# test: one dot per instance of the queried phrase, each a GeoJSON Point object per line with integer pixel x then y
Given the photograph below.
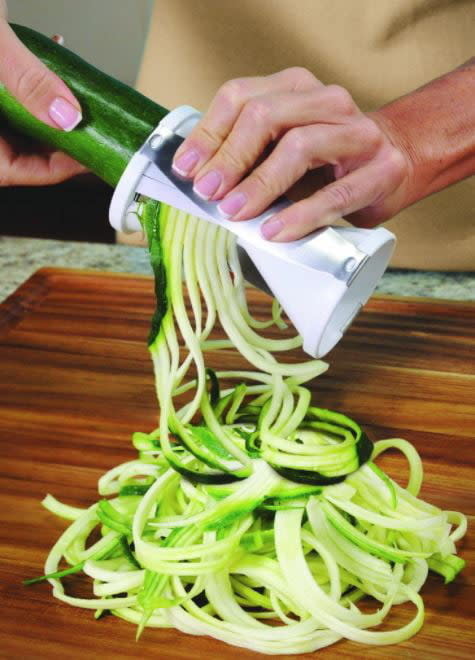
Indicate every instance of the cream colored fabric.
{"type": "Point", "coordinates": [378, 49]}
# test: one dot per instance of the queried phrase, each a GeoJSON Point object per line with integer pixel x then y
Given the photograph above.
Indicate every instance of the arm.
{"type": "Point", "coordinates": [363, 166]}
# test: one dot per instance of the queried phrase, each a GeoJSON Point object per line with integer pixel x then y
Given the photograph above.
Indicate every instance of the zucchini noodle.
{"type": "Point", "coordinates": [249, 514]}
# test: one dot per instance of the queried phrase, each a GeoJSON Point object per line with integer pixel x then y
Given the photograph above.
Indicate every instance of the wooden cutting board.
{"type": "Point", "coordinates": [76, 381]}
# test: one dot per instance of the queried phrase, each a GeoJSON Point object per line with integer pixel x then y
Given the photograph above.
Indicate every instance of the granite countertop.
{"type": "Point", "coordinates": [21, 257]}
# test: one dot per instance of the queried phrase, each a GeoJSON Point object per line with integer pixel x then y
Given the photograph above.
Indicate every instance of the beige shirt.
{"type": "Point", "coordinates": [377, 49]}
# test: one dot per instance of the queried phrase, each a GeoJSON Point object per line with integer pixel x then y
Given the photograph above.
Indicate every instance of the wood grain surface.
{"type": "Point", "coordinates": [76, 381]}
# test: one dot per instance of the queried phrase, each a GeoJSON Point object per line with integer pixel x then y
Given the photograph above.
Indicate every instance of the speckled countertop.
{"type": "Point", "coordinates": [21, 257]}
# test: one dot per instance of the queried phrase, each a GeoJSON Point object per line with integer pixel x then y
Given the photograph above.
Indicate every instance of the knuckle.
{"type": "Point", "coordinates": [342, 99]}
{"type": "Point", "coordinates": [31, 83]}
{"type": "Point", "coordinates": [340, 196]}
{"type": "Point", "coordinates": [295, 142]}
{"type": "Point", "coordinates": [367, 133]}
{"type": "Point", "coordinates": [397, 163]}
{"type": "Point", "coordinates": [370, 132]}
{"type": "Point", "coordinates": [300, 76]}
{"type": "Point", "coordinates": [232, 91]}
{"type": "Point", "coordinates": [257, 111]}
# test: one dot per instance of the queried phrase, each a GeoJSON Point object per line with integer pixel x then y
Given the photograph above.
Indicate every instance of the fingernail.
{"type": "Point", "coordinates": [58, 38]}
{"type": "Point", "coordinates": [208, 184]}
{"type": "Point", "coordinates": [271, 228]}
{"type": "Point", "coordinates": [64, 114]}
{"type": "Point", "coordinates": [232, 204]}
{"type": "Point", "coordinates": [186, 162]}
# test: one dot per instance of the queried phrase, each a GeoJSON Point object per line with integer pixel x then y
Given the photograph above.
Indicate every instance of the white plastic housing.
{"type": "Point", "coordinates": [320, 306]}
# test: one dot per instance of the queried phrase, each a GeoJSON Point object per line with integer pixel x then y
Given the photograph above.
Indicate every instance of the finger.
{"type": "Point", "coordinates": [214, 127]}
{"type": "Point", "coordinates": [262, 120]}
{"type": "Point", "coordinates": [300, 150]}
{"type": "Point", "coordinates": [40, 169]}
{"type": "Point", "coordinates": [359, 189]}
{"type": "Point", "coordinates": [36, 87]}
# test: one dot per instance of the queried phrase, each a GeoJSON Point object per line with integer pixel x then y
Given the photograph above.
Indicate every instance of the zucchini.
{"type": "Point", "coordinates": [116, 118]}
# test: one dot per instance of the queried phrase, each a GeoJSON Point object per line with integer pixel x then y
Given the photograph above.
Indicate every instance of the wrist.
{"type": "Point", "coordinates": [434, 129]}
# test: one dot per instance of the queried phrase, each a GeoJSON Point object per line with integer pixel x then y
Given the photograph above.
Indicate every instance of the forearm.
{"type": "Point", "coordinates": [435, 127]}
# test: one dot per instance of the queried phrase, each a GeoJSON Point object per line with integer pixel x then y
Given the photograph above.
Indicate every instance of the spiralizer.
{"type": "Point", "coordinates": [321, 281]}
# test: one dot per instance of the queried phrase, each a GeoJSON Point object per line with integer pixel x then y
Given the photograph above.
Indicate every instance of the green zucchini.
{"type": "Point", "coordinates": [116, 118]}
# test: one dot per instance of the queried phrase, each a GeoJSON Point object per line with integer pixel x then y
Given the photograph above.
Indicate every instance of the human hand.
{"type": "Point", "coordinates": [48, 99]}
{"type": "Point", "coordinates": [357, 171]}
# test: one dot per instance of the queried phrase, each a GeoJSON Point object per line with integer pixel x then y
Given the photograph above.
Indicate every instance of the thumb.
{"type": "Point", "coordinates": [34, 85]}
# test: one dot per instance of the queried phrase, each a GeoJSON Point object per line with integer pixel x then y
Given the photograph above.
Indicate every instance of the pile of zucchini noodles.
{"type": "Point", "coordinates": [249, 515]}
